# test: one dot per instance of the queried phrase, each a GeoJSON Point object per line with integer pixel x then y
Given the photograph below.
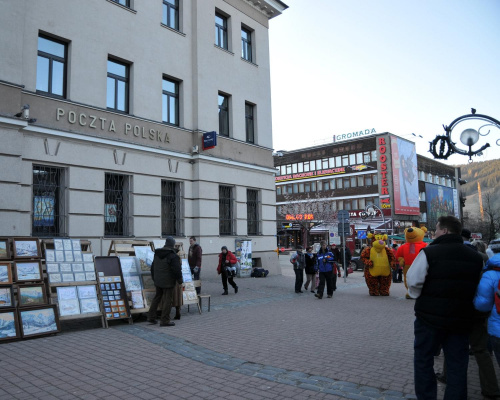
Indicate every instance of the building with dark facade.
{"type": "Point", "coordinates": [377, 178]}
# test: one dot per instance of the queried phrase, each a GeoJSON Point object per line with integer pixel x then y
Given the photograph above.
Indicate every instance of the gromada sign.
{"type": "Point", "coordinates": [353, 135]}
{"type": "Point", "coordinates": [109, 125]}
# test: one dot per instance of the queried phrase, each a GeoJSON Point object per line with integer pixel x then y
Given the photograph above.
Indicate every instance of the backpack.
{"type": "Point", "coordinates": [259, 273]}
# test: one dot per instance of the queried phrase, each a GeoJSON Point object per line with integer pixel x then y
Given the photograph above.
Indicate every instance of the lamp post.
{"type": "Point", "coordinates": [444, 146]}
{"type": "Point", "coordinates": [370, 212]}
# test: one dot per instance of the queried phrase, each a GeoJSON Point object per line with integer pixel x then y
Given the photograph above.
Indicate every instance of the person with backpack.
{"type": "Point", "coordinates": [298, 261]}
{"type": "Point", "coordinates": [488, 299]}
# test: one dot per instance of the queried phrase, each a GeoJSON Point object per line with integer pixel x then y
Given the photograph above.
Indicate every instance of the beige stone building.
{"type": "Point", "coordinates": [103, 107]}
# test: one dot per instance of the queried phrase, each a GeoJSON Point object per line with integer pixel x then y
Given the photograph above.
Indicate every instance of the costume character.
{"type": "Point", "coordinates": [407, 252]}
{"type": "Point", "coordinates": [378, 260]}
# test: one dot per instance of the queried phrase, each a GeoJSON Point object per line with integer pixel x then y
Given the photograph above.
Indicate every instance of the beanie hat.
{"type": "Point", "coordinates": [466, 233]}
{"type": "Point", "coordinates": [170, 242]}
{"type": "Point", "coordinates": [223, 248]}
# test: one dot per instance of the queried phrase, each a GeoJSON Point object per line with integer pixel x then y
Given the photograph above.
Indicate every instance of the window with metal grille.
{"type": "Point", "coordinates": [51, 67]}
{"type": "Point", "coordinates": [48, 218]}
{"type": "Point", "coordinates": [171, 209]}
{"type": "Point", "coordinates": [116, 205]}
{"type": "Point", "coordinates": [253, 212]}
{"type": "Point", "coordinates": [171, 13]}
{"type": "Point", "coordinates": [225, 210]}
{"type": "Point", "coordinates": [249, 123]}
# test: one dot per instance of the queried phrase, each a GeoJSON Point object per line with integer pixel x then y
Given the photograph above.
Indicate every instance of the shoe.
{"type": "Point", "coordinates": [167, 323]}
{"type": "Point", "coordinates": [329, 296]}
{"type": "Point", "coordinates": [152, 321]}
{"type": "Point", "coordinates": [312, 291]}
{"type": "Point", "coordinates": [440, 377]}
{"type": "Point", "coordinates": [236, 290]}
{"type": "Point", "coordinates": [177, 317]}
{"type": "Point", "coordinates": [297, 291]}
{"type": "Point", "coordinates": [225, 293]}
{"type": "Point", "coordinates": [300, 291]}
{"type": "Point", "coordinates": [319, 296]}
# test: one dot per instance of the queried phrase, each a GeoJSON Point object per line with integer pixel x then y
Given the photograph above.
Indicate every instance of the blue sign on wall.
{"type": "Point", "coordinates": [209, 140]}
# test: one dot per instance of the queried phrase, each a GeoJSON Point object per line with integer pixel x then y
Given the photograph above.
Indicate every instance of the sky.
{"type": "Point", "coordinates": [399, 66]}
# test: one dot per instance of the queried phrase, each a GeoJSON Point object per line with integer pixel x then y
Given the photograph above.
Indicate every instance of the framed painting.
{"type": "Point", "coordinates": [31, 295]}
{"type": "Point", "coordinates": [4, 249]}
{"type": "Point", "coordinates": [87, 292]}
{"type": "Point", "coordinates": [6, 297]}
{"type": "Point", "coordinates": [38, 321]}
{"type": "Point", "coordinates": [67, 299]}
{"type": "Point", "coordinates": [5, 273]}
{"type": "Point", "coordinates": [89, 306]}
{"type": "Point", "coordinates": [28, 271]}
{"type": "Point", "coordinates": [9, 325]}
{"type": "Point", "coordinates": [26, 248]}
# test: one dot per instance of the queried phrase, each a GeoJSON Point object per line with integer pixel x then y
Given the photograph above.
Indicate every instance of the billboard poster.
{"type": "Point", "coordinates": [244, 253]}
{"type": "Point", "coordinates": [405, 177]}
{"type": "Point", "coordinates": [440, 202]}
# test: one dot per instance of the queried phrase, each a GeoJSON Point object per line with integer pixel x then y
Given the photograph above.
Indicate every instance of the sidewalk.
{"type": "Point", "coordinates": [266, 342]}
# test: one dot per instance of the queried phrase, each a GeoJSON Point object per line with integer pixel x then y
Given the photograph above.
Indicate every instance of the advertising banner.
{"type": "Point", "coordinates": [243, 253]}
{"type": "Point", "coordinates": [440, 201]}
{"type": "Point", "coordinates": [405, 177]}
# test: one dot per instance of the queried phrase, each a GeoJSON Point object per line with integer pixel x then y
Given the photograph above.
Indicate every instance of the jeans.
{"type": "Point", "coordinates": [328, 278]}
{"type": "Point", "coordinates": [299, 279]}
{"type": "Point", "coordinates": [456, 351]}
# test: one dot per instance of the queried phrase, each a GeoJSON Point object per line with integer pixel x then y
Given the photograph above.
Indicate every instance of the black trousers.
{"type": "Point", "coordinates": [226, 279]}
{"type": "Point", "coordinates": [164, 296]}
{"type": "Point", "coordinates": [328, 278]}
{"type": "Point", "coordinates": [299, 279]}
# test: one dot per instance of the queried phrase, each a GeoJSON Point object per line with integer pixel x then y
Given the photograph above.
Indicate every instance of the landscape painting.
{"type": "Point", "coordinates": [26, 248]}
{"type": "Point", "coordinates": [8, 325]}
{"type": "Point", "coordinates": [28, 271]}
{"type": "Point", "coordinates": [31, 295]}
{"type": "Point", "coordinates": [4, 249]}
{"type": "Point", "coordinates": [5, 273]}
{"type": "Point", "coordinates": [6, 297]}
{"type": "Point", "coordinates": [39, 321]}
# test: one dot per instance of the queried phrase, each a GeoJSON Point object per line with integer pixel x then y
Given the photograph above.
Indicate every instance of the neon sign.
{"type": "Point", "coordinates": [299, 217]}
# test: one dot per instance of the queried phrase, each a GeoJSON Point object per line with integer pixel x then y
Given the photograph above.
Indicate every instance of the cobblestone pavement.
{"type": "Point", "coordinates": [266, 342]}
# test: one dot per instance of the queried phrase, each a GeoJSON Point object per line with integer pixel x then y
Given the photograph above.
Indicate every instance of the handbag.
{"type": "Point", "coordinates": [350, 270]}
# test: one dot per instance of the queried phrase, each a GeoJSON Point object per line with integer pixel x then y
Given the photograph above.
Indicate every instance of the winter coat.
{"type": "Point", "coordinates": [310, 263]}
{"type": "Point", "coordinates": [230, 257]}
{"type": "Point", "coordinates": [325, 260]}
{"type": "Point", "coordinates": [194, 256]}
{"type": "Point", "coordinates": [166, 268]}
{"type": "Point", "coordinates": [485, 295]}
{"type": "Point", "coordinates": [298, 260]}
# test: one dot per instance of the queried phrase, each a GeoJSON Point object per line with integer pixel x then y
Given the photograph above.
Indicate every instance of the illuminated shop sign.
{"type": "Point", "coordinates": [299, 217]}
{"type": "Point", "coordinates": [312, 174]}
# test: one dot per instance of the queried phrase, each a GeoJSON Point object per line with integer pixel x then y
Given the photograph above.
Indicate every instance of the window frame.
{"type": "Point", "coordinates": [253, 212]}
{"type": "Point", "coordinates": [221, 31]}
{"type": "Point", "coordinates": [250, 122]}
{"type": "Point", "coordinates": [125, 79]}
{"type": "Point", "coordinates": [165, 94]}
{"type": "Point", "coordinates": [52, 58]}
{"type": "Point", "coordinates": [224, 111]}
{"type": "Point", "coordinates": [169, 7]}
{"type": "Point", "coordinates": [226, 211]}
{"type": "Point", "coordinates": [172, 222]}
{"type": "Point", "coordinates": [122, 213]}
{"type": "Point", "coordinates": [246, 44]}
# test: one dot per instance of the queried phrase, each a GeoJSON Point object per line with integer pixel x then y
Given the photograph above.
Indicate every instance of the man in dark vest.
{"type": "Point", "coordinates": [443, 278]}
{"type": "Point", "coordinates": [166, 272]}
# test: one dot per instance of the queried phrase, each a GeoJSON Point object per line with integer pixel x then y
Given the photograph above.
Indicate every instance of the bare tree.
{"type": "Point", "coordinates": [491, 216]}
{"type": "Point", "coordinates": [308, 212]}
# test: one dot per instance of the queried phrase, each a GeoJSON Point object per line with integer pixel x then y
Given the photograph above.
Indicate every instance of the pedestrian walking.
{"type": "Point", "coordinates": [194, 260]}
{"type": "Point", "coordinates": [326, 260]}
{"type": "Point", "coordinates": [166, 272]}
{"type": "Point", "coordinates": [310, 269]}
{"type": "Point", "coordinates": [443, 279]}
{"type": "Point", "coordinates": [226, 261]}
{"type": "Point", "coordinates": [298, 261]}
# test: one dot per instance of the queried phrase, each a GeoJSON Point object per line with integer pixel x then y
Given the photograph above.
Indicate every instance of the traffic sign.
{"type": "Point", "coordinates": [343, 215]}
{"type": "Point", "coordinates": [344, 229]}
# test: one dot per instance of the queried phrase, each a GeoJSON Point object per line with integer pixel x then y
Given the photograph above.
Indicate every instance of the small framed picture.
{"type": "Point", "coordinates": [79, 277]}
{"type": "Point", "coordinates": [68, 255]}
{"type": "Point", "coordinates": [6, 297]}
{"type": "Point", "coordinates": [87, 292]}
{"type": "Point", "coordinates": [59, 255]}
{"type": "Point", "coordinates": [105, 298]}
{"type": "Point", "coordinates": [118, 285]}
{"type": "Point", "coordinates": [106, 304]}
{"type": "Point", "coordinates": [42, 320]}
{"type": "Point", "coordinates": [88, 257]}
{"type": "Point", "coordinates": [113, 303]}
{"type": "Point", "coordinates": [28, 271]}
{"type": "Point", "coordinates": [90, 276]}
{"type": "Point", "coordinates": [77, 256]}
{"type": "Point", "coordinates": [123, 314]}
{"type": "Point", "coordinates": [107, 309]}
{"type": "Point", "coordinates": [31, 295]}
{"type": "Point", "coordinates": [5, 273]}
{"type": "Point", "coordinates": [52, 268]}
{"type": "Point", "coordinates": [109, 315]}
{"type": "Point", "coordinates": [26, 248]}
{"type": "Point", "coordinates": [89, 267]}
{"type": "Point", "coordinates": [65, 267]}
{"type": "Point", "coordinates": [68, 278]}
{"type": "Point", "coordinates": [67, 245]}
{"type": "Point", "coordinates": [55, 278]}
{"type": "Point", "coordinates": [89, 306]}
{"type": "Point", "coordinates": [58, 244]}
{"type": "Point", "coordinates": [107, 286]}
{"type": "Point", "coordinates": [114, 309]}
{"type": "Point", "coordinates": [76, 245]}
{"type": "Point", "coordinates": [9, 324]}
{"type": "Point", "coordinates": [121, 303]}
{"type": "Point", "coordinates": [77, 267]}
{"type": "Point", "coordinates": [69, 307]}
{"type": "Point", "coordinates": [111, 297]}
{"type": "Point", "coordinates": [117, 292]}
{"type": "Point", "coordinates": [50, 256]}
{"type": "Point", "coordinates": [116, 315]}
{"type": "Point", "coordinates": [67, 293]}
{"type": "Point", "coordinates": [113, 286]}
{"type": "Point", "coordinates": [102, 286]}
{"type": "Point", "coordinates": [4, 249]}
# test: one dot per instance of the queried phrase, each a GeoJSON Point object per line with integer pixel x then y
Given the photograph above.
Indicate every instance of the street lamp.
{"type": "Point", "coordinates": [370, 212]}
{"type": "Point", "coordinates": [443, 146]}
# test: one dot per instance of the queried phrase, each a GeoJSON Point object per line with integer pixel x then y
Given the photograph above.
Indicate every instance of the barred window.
{"type": "Point", "coordinates": [225, 210]}
{"type": "Point", "coordinates": [116, 205]}
{"type": "Point", "coordinates": [171, 209]}
{"type": "Point", "coordinates": [253, 212]}
{"type": "Point", "coordinates": [48, 218]}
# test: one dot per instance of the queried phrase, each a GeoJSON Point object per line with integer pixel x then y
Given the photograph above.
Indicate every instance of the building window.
{"type": "Point", "coordinates": [295, 187]}
{"type": "Point", "coordinates": [306, 166]}
{"type": "Point", "coordinates": [326, 185]}
{"type": "Point", "coordinates": [362, 204]}
{"type": "Point", "coordinates": [368, 180]}
{"type": "Point", "coordinates": [171, 209]}
{"type": "Point", "coordinates": [253, 212]}
{"type": "Point", "coordinates": [301, 187]}
{"type": "Point", "coordinates": [352, 159]}
{"type": "Point", "coordinates": [221, 31]}
{"type": "Point", "coordinates": [324, 163]}
{"type": "Point", "coordinates": [346, 182]}
{"type": "Point", "coordinates": [300, 167]}
{"type": "Point", "coordinates": [339, 183]}
{"type": "Point", "coordinates": [294, 168]}
{"type": "Point", "coordinates": [338, 161]}
{"type": "Point", "coordinates": [353, 181]}
{"type": "Point", "coordinates": [249, 122]}
{"type": "Point", "coordinates": [51, 67]}
{"type": "Point", "coordinates": [125, 3]}
{"type": "Point", "coordinates": [223, 115]}
{"type": "Point", "coordinates": [345, 160]}
{"type": "Point", "coordinates": [366, 157]}
{"type": "Point", "coordinates": [48, 202]}
{"type": "Point", "coordinates": [116, 204]}
{"type": "Point", "coordinates": [170, 102]}
{"type": "Point", "coordinates": [278, 190]}
{"type": "Point", "coordinates": [225, 210]}
{"type": "Point", "coordinates": [117, 90]}
{"type": "Point", "coordinates": [246, 44]}
{"type": "Point", "coordinates": [359, 158]}
{"type": "Point", "coordinates": [171, 14]}
{"type": "Point", "coordinates": [361, 180]}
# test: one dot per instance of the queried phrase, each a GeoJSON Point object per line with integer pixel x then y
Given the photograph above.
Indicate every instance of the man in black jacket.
{"type": "Point", "coordinates": [443, 278]}
{"type": "Point", "coordinates": [166, 272]}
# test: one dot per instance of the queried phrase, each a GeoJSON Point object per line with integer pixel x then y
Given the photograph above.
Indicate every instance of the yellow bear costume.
{"type": "Point", "coordinates": [407, 252]}
{"type": "Point", "coordinates": [378, 260]}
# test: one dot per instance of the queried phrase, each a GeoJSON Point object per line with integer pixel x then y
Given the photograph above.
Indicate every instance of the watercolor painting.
{"type": "Point", "coordinates": [31, 295]}
{"type": "Point", "coordinates": [5, 273]}
{"type": "Point", "coordinates": [26, 248]}
{"type": "Point", "coordinates": [6, 297]}
{"type": "Point", "coordinates": [28, 271]}
{"type": "Point", "coordinates": [8, 326]}
{"type": "Point", "coordinates": [39, 321]}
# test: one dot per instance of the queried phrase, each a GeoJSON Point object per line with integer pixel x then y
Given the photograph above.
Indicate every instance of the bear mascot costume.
{"type": "Point", "coordinates": [407, 252]}
{"type": "Point", "coordinates": [378, 260]}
